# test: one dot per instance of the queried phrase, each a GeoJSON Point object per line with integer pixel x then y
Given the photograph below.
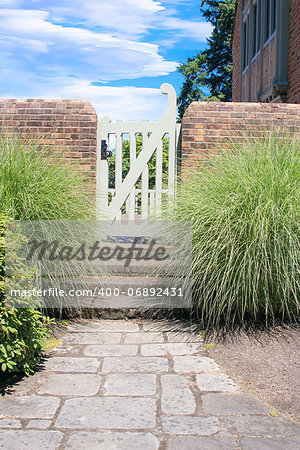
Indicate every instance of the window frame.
{"type": "Point", "coordinates": [270, 24]}
{"type": "Point", "coordinates": [246, 24]}
{"type": "Point", "coordinates": [257, 4]}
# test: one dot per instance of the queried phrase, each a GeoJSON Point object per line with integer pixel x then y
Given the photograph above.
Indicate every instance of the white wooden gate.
{"type": "Point", "coordinates": [157, 137]}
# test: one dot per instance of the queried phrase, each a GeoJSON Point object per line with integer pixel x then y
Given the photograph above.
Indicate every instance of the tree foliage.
{"type": "Point", "coordinates": [151, 164]}
{"type": "Point", "coordinates": [208, 75]}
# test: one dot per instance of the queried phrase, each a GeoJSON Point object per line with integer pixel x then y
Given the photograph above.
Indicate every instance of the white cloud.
{"type": "Point", "coordinates": [56, 48]}
{"type": "Point", "coordinates": [133, 18]}
{"type": "Point", "coordinates": [130, 18]}
{"type": "Point", "coordinates": [32, 23]}
{"type": "Point", "coordinates": [10, 3]}
{"type": "Point", "coordinates": [127, 18]}
{"type": "Point", "coordinates": [187, 28]}
{"type": "Point", "coordinates": [118, 103]}
{"type": "Point", "coordinates": [31, 45]}
{"type": "Point", "coordinates": [81, 51]}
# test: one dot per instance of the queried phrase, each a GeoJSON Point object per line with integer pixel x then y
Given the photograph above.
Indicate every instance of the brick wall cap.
{"type": "Point", "coordinates": [236, 107]}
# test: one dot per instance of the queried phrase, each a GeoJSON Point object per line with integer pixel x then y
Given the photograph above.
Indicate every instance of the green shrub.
{"type": "Point", "coordinates": [22, 334]}
{"type": "Point", "coordinates": [22, 331]}
{"type": "Point", "coordinates": [37, 183]}
{"type": "Point", "coordinates": [244, 208]}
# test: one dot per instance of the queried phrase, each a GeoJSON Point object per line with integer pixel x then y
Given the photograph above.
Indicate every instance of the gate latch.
{"type": "Point", "coordinates": [105, 153]}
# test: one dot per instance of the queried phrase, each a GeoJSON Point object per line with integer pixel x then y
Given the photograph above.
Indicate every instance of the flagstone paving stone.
{"type": "Point", "coordinates": [194, 364]}
{"type": "Point", "coordinates": [201, 443]}
{"type": "Point", "coordinates": [142, 337]}
{"type": "Point", "coordinates": [94, 338]}
{"type": "Point", "coordinates": [31, 407]}
{"type": "Point", "coordinates": [270, 444]}
{"type": "Point", "coordinates": [111, 350]}
{"type": "Point", "coordinates": [10, 423]}
{"type": "Point", "coordinates": [112, 441]}
{"type": "Point", "coordinates": [72, 364]}
{"type": "Point", "coordinates": [135, 364]}
{"type": "Point", "coordinates": [71, 384]}
{"type": "Point", "coordinates": [132, 385]}
{"type": "Point", "coordinates": [172, 348]}
{"type": "Point", "coordinates": [108, 413]}
{"type": "Point", "coordinates": [39, 423]}
{"type": "Point", "coordinates": [68, 350]}
{"type": "Point", "coordinates": [31, 439]}
{"type": "Point", "coordinates": [191, 425]}
{"type": "Point", "coordinates": [177, 398]}
{"type": "Point", "coordinates": [215, 382]}
{"type": "Point", "coordinates": [263, 425]}
{"type": "Point", "coordinates": [229, 404]}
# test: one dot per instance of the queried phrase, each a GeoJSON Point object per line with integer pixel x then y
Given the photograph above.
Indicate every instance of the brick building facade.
{"type": "Point", "coordinates": [266, 51]}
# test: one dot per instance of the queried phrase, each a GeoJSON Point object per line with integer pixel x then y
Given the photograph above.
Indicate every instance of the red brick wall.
{"type": "Point", "coordinates": [66, 124]}
{"type": "Point", "coordinates": [236, 43]}
{"type": "Point", "coordinates": [206, 125]}
{"type": "Point", "coordinates": [293, 94]}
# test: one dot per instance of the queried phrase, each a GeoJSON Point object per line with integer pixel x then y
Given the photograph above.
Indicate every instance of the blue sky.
{"type": "Point", "coordinates": [115, 53]}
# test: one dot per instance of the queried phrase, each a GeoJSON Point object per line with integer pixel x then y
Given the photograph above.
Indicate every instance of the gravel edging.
{"type": "Point", "coordinates": [266, 364]}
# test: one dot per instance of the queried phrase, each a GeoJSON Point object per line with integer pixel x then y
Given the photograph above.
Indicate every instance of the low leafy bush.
{"type": "Point", "coordinates": [22, 334]}
{"type": "Point", "coordinates": [22, 331]}
{"type": "Point", "coordinates": [244, 208]}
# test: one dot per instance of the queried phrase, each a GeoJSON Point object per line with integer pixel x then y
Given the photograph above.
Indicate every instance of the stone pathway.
{"type": "Point", "coordinates": [136, 385]}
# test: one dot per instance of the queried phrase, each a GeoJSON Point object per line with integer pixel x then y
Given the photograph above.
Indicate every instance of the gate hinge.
{"type": "Point", "coordinates": [105, 153]}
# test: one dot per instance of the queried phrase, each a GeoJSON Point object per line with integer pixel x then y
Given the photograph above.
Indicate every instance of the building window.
{"type": "Point", "coordinates": [256, 28]}
{"type": "Point", "coordinates": [267, 21]}
{"type": "Point", "coordinates": [270, 18]}
{"type": "Point", "coordinates": [246, 41]}
{"type": "Point", "coordinates": [274, 16]}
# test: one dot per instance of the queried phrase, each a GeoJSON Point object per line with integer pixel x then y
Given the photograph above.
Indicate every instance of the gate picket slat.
{"type": "Point", "coordinates": [118, 174]}
{"type": "Point", "coordinates": [131, 204]}
{"type": "Point", "coordinates": [152, 204]}
{"type": "Point", "coordinates": [127, 206]}
{"type": "Point", "coordinates": [132, 146]}
{"type": "Point", "coordinates": [132, 199]}
{"type": "Point", "coordinates": [158, 177]}
{"type": "Point", "coordinates": [145, 186]}
{"type": "Point", "coordinates": [144, 195]}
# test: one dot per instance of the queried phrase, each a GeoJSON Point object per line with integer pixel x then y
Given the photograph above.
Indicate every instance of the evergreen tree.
{"type": "Point", "coordinates": [211, 69]}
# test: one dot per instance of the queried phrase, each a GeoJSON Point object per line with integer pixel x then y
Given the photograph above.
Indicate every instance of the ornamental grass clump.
{"type": "Point", "coordinates": [38, 183]}
{"type": "Point", "coordinates": [244, 209]}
